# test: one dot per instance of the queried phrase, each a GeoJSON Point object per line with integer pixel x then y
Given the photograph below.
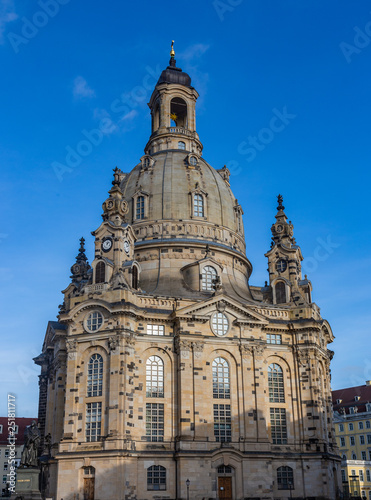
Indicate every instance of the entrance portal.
{"type": "Point", "coordinates": [225, 488]}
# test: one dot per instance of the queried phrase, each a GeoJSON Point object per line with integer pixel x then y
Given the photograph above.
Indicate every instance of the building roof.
{"type": "Point", "coordinates": [352, 397]}
{"type": "Point", "coordinates": [22, 423]}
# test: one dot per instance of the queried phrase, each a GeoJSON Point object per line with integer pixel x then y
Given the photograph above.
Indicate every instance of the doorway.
{"type": "Point", "coordinates": [225, 488]}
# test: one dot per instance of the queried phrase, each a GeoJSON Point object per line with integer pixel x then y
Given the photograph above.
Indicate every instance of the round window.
{"type": "Point", "coordinates": [219, 324]}
{"type": "Point", "coordinates": [93, 321]}
{"type": "Point", "coordinates": [281, 266]}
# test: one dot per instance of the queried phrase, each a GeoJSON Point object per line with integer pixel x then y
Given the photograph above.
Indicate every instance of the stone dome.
{"type": "Point", "coordinates": [168, 186]}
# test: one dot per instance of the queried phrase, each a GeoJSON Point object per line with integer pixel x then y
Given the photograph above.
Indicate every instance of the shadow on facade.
{"type": "Point", "coordinates": [250, 466]}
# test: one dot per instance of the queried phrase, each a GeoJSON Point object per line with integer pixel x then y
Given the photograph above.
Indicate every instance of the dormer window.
{"type": "Point", "coordinates": [181, 145]}
{"type": "Point", "coordinates": [198, 205]}
{"type": "Point", "coordinates": [208, 275]}
{"type": "Point", "coordinates": [192, 161]}
{"type": "Point", "coordinates": [147, 162]}
{"type": "Point", "coordinates": [368, 406]}
{"type": "Point", "coordinates": [338, 401]}
{"type": "Point", "coordinates": [140, 207]}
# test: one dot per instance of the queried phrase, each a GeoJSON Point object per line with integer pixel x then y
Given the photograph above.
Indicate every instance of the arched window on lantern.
{"type": "Point", "coordinates": [100, 272]}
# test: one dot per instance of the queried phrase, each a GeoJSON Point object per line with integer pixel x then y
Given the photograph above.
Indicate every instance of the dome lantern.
{"type": "Point", "coordinates": [173, 111]}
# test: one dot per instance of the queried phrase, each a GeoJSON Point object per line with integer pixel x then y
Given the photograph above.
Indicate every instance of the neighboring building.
{"type": "Point", "coordinates": [21, 424]}
{"type": "Point", "coordinates": [352, 421]}
{"type": "Point", "coordinates": [165, 365]}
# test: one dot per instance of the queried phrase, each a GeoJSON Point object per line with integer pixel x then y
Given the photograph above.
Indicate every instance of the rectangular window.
{"type": "Point", "coordinates": [368, 438]}
{"type": "Point", "coordinates": [93, 421]}
{"type": "Point", "coordinates": [155, 421]}
{"type": "Point", "coordinates": [6, 453]}
{"type": "Point", "coordinates": [222, 423]}
{"type": "Point", "coordinates": [363, 453]}
{"type": "Point", "coordinates": [278, 425]}
{"type": "Point", "coordinates": [155, 330]}
{"type": "Point", "coordinates": [352, 441]}
{"type": "Point", "coordinates": [368, 475]}
{"type": "Point", "coordinates": [369, 455]}
{"type": "Point", "coordinates": [360, 473]}
{"type": "Point", "coordinates": [351, 427]}
{"type": "Point", "coordinates": [341, 427]}
{"type": "Point", "coordinates": [343, 476]}
{"type": "Point", "coordinates": [360, 425]}
{"type": "Point", "coordinates": [274, 339]}
{"type": "Point", "coordinates": [4, 479]}
{"type": "Point", "coordinates": [363, 494]}
{"type": "Point", "coordinates": [1, 429]}
{"type": "Point", "coordinates": [342, 441]}
{"type": "Point", "coordinates": [362, 439]}
{"type": "Point", "coordinates": [6, 466]}
{"type": "Point", "coordinates": [368, 425]}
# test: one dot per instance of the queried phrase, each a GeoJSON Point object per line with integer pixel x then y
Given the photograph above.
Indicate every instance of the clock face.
{"type": "Point", "coordinates": [127, 246]}
{"type": "Point", "coordinates": [279, 229]}
{"type": "Point", "coordinates": [107, 245]}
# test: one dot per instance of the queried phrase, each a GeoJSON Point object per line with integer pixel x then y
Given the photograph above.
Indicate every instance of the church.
{"type": "Point", "coordinates": [168, 375]}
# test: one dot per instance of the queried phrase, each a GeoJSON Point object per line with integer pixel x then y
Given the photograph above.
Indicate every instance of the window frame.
{"type": "Point", "coordinates": [151, 485]}
{"type": "Point", "coordinates": [94, 385]}
{"type": "Point", "coordinates": [221, 378]}
{"type": "Point", "coordinates": [155, 377]}
{"type": "Point", "coordinates": [276, 384]}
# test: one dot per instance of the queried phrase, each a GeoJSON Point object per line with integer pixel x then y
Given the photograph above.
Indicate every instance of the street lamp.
{"type": "Point", "coordinates": [188, 482]}
{"type": "Point", "coordinates": [290, 485]}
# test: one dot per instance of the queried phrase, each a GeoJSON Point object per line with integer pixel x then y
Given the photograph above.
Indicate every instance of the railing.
{"type": "Point", "coordinates": [99, 287]}
{"type": "Point", "coordinates": [179, 130]}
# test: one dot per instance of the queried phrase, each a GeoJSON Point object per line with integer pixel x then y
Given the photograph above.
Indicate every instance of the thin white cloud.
{"type": "Point", "coordinates": [7, 15]}
{"type": "Point", "coordinates": [193, 52]}
{"type": "Point", "coordinates": [129, 116]}
{"type": "Point", "coordinates": [81, 89]}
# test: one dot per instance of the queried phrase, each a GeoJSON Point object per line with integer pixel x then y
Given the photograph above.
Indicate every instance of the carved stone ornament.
{"type": "Point", "coordinates": [129, 339]}
{"type": "Point", "coordinates": [246, 350]}
{"type": "Point", "coordinates": [258, 350]}
{"type": "Point", "coordinates": [113, 342]}
{"type": "Point", "coordinates": [303, 358]}
{"type": "Point", "coordinates": [198, 348]}
{"type": "Point", "coordinates": [71, 345]}
{"type": "Point", "coordinates": [183, 347]}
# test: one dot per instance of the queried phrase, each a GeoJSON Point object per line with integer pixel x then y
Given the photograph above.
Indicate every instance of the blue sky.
{"type": "Point", "coordinates": [67, 69]}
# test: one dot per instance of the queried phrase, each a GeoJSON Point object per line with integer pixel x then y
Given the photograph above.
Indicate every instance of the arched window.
{"type": "Point", "coordinates": [368, 426]}
{"type": "Point", "coordinates": [344, 457]}
{"type": "Point", "coordinates": [95, 376]}
{"type": "Point", "coordinates": [134, 281]}
{"type": "Point", "coordinates": [100, 272]}
{"type": "Point", "coordinates": [156, 478]}
{"type": "Point", "coordinates": [208, 275]}
{"type": "Point", "coordinates": [140, 208]}
{"type": "Point", "coordinates": [354, 456]}
{"type": "Point", "coordinates": [181, 145]}
{"type": "Point", "coordinates": [280, 292]}
{"type": "Point", "coordinates": [275, 384]}
{"type": "Point", "coordinates": [221, 379]}
{"type": "Point", "coordinates": [198, 205]}
{"type": "Point", "coordinates": [178, 112]}
{"type": "Point", "coordinates": [285, 478]}
{"type": "Point", "coordinates": [154, 377]}
{"type": "Point", "coordinates": [224, 469]}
